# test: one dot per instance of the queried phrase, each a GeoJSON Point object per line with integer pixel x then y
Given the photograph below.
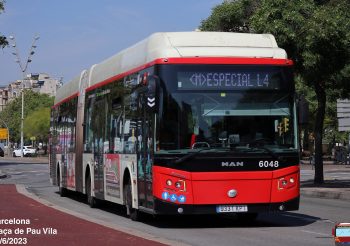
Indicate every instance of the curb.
{"type": "Point", "coordinates": [33, 160]}
{"type": "Point", "coordinates": [327, 193]}
{"type": "Point", "coordinates": [2, 175]}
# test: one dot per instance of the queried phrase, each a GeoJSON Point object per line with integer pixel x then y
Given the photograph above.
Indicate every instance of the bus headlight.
{"type": "Point", "coordinates": [179, 185]}
{"type": "Point", "coordinates": [286, 182]}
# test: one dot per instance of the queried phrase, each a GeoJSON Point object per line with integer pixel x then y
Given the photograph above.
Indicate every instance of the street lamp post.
{"type": "Point", "coordinates": [23, 68]}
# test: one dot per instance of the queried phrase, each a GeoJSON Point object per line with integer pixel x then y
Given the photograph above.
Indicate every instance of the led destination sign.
{"type": "Point", "coordinates": [242, 80]}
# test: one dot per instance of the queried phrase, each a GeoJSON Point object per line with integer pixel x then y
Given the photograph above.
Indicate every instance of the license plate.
{"type": "Point", "coordinates": [231, 208]}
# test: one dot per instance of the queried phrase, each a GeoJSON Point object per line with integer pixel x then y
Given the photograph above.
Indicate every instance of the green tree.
{"type": "Point", "coordinates": [37, 124]}
{"type": "Point", "coordinates": [12, 113]}
{"type": "Point", "coordinates": [316, 36]}
{"type": "Point", "coordinates": [230, 16]}
{"type": "Point", "coordinates": [3, 41]}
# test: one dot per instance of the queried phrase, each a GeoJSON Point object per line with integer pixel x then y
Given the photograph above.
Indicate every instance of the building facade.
{"type": "Point", "coordinates": [41, 83]}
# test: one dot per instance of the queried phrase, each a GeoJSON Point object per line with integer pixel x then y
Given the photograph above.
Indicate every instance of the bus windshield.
{"type": "Point", "coordinates": [233, 107]}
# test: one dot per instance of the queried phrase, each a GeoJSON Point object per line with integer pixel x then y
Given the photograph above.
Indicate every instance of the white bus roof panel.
{"type": "Point", "coordinates": [67, 90]}
{"type": "Point", "coordinates": [188, 44]}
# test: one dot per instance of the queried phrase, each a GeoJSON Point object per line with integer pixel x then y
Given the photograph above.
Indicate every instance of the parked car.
{"type": "Point", "coordinates": [27, 151]}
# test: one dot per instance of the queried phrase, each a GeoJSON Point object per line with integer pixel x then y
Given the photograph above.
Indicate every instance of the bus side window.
{"type": "Point", "coordinates": [130, 123]}
{"type": "Point", "coordinates": [116, 125]}
{"type": "Point", "coordinates": [98, 125]}
{"type": "Point", "coordinates": [88, 144]}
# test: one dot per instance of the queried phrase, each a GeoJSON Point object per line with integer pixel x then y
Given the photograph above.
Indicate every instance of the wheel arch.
{"type": "Point", "coordinates": [87, 173]}
{"type": "Point", "coordinates": [126, 179]}
{"type": "Point", "coordinates": [58, 173]}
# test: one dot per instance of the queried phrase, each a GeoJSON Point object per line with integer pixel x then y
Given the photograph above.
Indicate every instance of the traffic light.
{"type": "Point", "coordinates": [280, 128]}
{"type": "Point", "coordinates": [285, 124]}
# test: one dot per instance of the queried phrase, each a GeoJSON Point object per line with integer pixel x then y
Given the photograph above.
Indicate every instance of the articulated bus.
{"type": "Point", "coordinates": [182, 123]}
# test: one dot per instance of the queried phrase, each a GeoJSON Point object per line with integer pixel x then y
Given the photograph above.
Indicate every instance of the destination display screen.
{"type": "Point", "coordinates": [242, 79]}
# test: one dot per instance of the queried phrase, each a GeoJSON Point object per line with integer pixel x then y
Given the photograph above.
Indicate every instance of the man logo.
{"type": "Point", "coordinates": [232, 193]}
{"type": "Point", "coordinates": [232, 164]}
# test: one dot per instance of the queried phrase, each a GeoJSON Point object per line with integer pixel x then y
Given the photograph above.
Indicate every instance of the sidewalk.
{"type": "Point", "coordinates": [26, 221]}
{"type": "Point", "coordinates": [333, 188]}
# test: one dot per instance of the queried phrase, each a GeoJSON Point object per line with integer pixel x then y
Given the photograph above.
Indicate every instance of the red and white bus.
{"type": "Point", "coordinates": [182, 123]}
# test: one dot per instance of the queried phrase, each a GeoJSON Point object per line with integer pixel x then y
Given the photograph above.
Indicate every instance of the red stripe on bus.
{"type": "Point", "coordinates": [225, 61]}
{"type": "Point", "coordinates": [119, 76]}
{"type": "Point", "coordinates": [66, 99]}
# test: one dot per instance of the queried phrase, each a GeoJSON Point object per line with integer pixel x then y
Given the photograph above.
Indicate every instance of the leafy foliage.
{"type": "Point", "coordinates": [3, 41]}
{"type": "Point", "coordinates": [230, 17]}
{"type": "Point", "coordinates": [12, 113]}
{"type": "Point", "coordinates": [316, 35]}
{"type": "Point", "coordinates": [286, 21]}
{"type": "Point", "coordinates": [326, 51]}
{"type": "Point", "coordinates": [37, 124]}
{"type": "Point", "coordinates": [321, 52]}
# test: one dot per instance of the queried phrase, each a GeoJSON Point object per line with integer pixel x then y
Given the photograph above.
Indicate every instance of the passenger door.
{"type": "Point", "coordinates": [98, 124]}
{"type": "Point", "coordinates": [145, 152]}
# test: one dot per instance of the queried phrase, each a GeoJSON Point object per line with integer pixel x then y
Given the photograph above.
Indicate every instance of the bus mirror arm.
{"type": "Point", "coordinates": [152, 84]}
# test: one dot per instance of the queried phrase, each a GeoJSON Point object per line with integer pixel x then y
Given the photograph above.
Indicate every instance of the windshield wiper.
{"type": "Point", "coordinates": [270, 152]}
{"type": "Point", "coordinates": [188, 156]}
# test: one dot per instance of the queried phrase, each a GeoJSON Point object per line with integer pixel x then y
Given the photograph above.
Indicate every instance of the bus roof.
{"type": "Point", "coordinates": [177, 45]}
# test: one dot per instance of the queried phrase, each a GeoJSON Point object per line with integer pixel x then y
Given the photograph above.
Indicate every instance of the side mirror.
{"type": "Point", "coordinates": [151, 94]}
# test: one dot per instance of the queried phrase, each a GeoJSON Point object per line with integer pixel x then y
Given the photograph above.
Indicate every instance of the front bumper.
{"type": "Point", "coordinates": [163, 207]}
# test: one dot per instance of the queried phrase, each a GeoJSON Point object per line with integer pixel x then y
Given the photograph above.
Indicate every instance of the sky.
{"type": "Point", "coordinates": [76, 34]}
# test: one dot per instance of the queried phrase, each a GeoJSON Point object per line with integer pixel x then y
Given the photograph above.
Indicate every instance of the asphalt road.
{"type": "Point", "coordinates": [328, 174]}
{"type": "Point", "coordinates": [311, 225]}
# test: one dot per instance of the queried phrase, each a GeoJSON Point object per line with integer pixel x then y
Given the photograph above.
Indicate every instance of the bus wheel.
{"type": "Point", "coordinates": [61, 190]}
{"type": "Point", "coordinates": [131, 212]}
{"type": "Point", "coordinates": [90, 199]}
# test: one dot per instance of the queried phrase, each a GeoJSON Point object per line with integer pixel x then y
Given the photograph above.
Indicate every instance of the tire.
{"type": "Point", "coordinates": [91, 201]}
{"type": "Point", "coordinates": [61, 190]}
{"type": "Point", "coordinates": [132, 213]}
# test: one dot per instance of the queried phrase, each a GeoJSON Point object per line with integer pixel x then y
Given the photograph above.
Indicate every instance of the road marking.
{"type": "Point", "coordinates": [316, 233]}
